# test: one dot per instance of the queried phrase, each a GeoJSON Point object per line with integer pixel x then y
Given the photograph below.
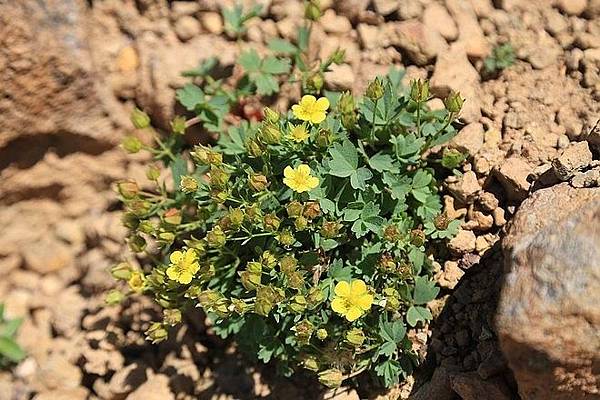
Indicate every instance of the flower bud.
{"type": "Point", "coordinates": [375, 89]}
{"type": "Point", "coordinates": [178, 125]}
{"type": "Point", "coordinates": [296, 280]}
{"type": "Point", "coordinates": [140, 119]}
{"type": "Point", "coordinates": [166, 238]}
{"type": "Point", "coordinates": [315, 297]}
{"type": "Point", "coordinates": [239, 306]}
{"type": "Point", "coordinates": [304, 330]}
{"type": "Point", "coordinates": [131, 144]}
{"type": "Point", "coordinates": [441, 221]}
{"type": "Point", "coordinates": [405, 270]}
{"type": "Point", "coordinates": [392, 299]}
{"type": "Point", "coordinates": [298, 304]}
{"type": "Point", "coordinates": [355, 336]}
{"type": "Point", "coordinates": [114, 297]}
{"type": "Point", "coordinates": [322, 334]}
{"type": "Point", "coordinates": [249, 280]}
{"type": "Point", "coordinates": [156, 333]}
{"type": "Point", "coordinates": [270, 134]}
{"type": "Point", "coordinates": [138, 207]}
{"type": "Point", "coordinates": [294, 209]}
{"type": "Point", "coordinates": [271, 116]}
{"type": "Point", "coordinates": [419, 90]}
{"type": "Point", "coordinates": [121, 271]}
{"type": "Point", "coordinates": [330, 229]}
{"type": "Point", "coordinates": [286, 238]}
{"type": "Point", "coordinates": [152, 173]}
{"type": "Point", "coordinates": [314, 83]}
{"type": "Point", "coordinates": [271, 222]}
{"type": "Point", "coordinates": [130, 221]}
{"type": "Point", "coordinates": [188, 184]}
{"type": "Point", "coordinates": [172, 216]}
{"type": "Point", "coordinates": [136, 281]}
{"type": "Point", "coordinates": [254, 212]}
{"type": "Point", "coordinates": [417, 237]}
{"type": "Point", "coordinates": [198, 245]}
{"type": "Point", "coordinates": [453, 102]}
{"type": "Point", "coordinates": [215, 158]}
{"type": "Point", "coordinates": [137, 244]}
{"type": "Point", "coordinates": [172, 316]}
{"type": "Point", "coordinates": [236, 216]}
{"type": "Point", "coordinates": [268, 259]}
{"type": "Point", "coordinates": [254, 148]}
{"type": "Point", "coordinates": [312, 10]}
{"type": "Point", "coordinates": [332, 378]}
{"type": "Point", "coordinates": [310, 363]}
{"type": "Point", "coordinates": [387, 263]}
{"type": "Point", "coordinates": [218, 195]}
{"type": "Point", "coordinates": [207, 298]}
{"type": "Point", "coordinates": [312, 210]}
{"type": "Point", "coordinates": [225, 223]}
{"type": "Point", "coordinates": [324, 138]}
{"type": "Point", "coordinates": [128, 189]}
{"type": "Point", "coordinates": [346, 103]}
{"type": "Point", "coordinates": [215, 237]}
{"type": "Point", "coordinates": [391, 233]}
{"type": "Point", "coordinates": [301, 223]}
{"type": "Point", "coordinates": [258, 182]}
{"type": "Point", "coordinates": [288, 264]}
{"type": "Point", "coordinates": [218, 177]}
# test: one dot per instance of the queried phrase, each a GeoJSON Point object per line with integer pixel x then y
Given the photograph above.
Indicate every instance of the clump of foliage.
{"type": "Point", "coordinates": [10, 351]}
{"type": "Point", "coordinates": [502, 57]}
{"type": "Point", "coordinates": [308, 235]}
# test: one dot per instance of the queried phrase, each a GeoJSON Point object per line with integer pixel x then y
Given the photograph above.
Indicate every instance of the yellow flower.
{"type": "Point", "coordinates": [299, 179]}
{"type": "Point", "coordinates": [298, 133]}
{"type": "Point", "coordinates": [136, 281]}
{"type": "Point", "coordinates": [351, 299]}
{"type": "Point", "coordinates": [311, 109]}
{"type": "Point", "coordinates": [183, 266]}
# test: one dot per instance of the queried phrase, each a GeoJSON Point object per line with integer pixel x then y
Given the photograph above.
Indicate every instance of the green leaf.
{"type": "Point", "coordinates": [389, 371]}
{"type": "Point", "coordinates": [360, 177]}
{"type": "Point", "coordinates": [421, 179]}
{"type": "Point", "coordinates": [393, 331]}
{"type": "Point", "coordinates": [338, 272]}
{"type": "Point", "coordinates": [265, 84]}
{"type": "Point", "coordinates": [381, 162]}
{"type": "Point", "coordinates": [250, 61]}
{"type": "Point", "coordinates": [425, 290]}
{"type": "Point", "coordinates": [344, 159]}
{"type": "Point", "coordinates": [9, 328]}
{"type": "Point", "coordinates": [11, 350]}
{"type": "Point", "coordinates": [398, 185]}
{"type": "Point", "coordinates": [178, 169]}
{"type": "Point", "coordinates": [190, 96]}
{"type": "Point", "coordinates": [203, 69]}
{"type": "Point", "coordinates": [417, 314]}
{"type": "Point", "coordinates": [274, 65]}
{"type": "Point", "coordinates": [281, 46]}
{"type": "Point", "coordinates": [303, 37]}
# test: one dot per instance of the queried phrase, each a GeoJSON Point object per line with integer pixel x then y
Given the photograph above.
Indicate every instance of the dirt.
{"type": "Point", "coordinates": [73, 71]}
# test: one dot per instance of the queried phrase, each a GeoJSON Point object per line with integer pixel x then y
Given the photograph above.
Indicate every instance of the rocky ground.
{"type": "Point", "coordinates": [72, 71]}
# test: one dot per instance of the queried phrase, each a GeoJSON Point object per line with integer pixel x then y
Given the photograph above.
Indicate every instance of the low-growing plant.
{"type": "Point", "coordinates": [10, 351]}
{"type": "Point", "coordinates": [308, 235]}
{"type": "Point", "coordinates": [502, 57]}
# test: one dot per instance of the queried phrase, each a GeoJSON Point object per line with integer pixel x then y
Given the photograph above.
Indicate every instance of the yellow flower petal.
{"type": "Point", "coordinates": [312, 182]}
{"type": "Point", "coordinates": [317, 117]}
{"type": "Point", "coordinates": [322, 104]}
{"type": "Point", "coordinates": [358, 287]}
{"type": "Point", "coordinates": [194, 267]}
{"type": "Point", "coordinates": [190, 256]}
{"type": "Point", "coordinates": [173, 273]}
{"type": "Point", "coordinates": [342, 289]}
{"type": "Point", "coordinates": [185, 278]}
{"type": "Point", "coordinates": [364, 301]}
{"type": "Point", "coordinates": [339, 305]}
{"type": "Point", "coordinates": [303, 169]}
{"type": "Point", "coordinates": [308, 101]}
{"type": "Point", "coordinates": [175, 256]}
{"type": "Point", "coordinates": [288, 172]}
{"type": "Point", "coordinates": [353, 313]}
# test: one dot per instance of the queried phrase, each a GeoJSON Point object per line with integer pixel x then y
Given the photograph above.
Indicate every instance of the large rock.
{"type": "Point", "coordinates": [548, 318]}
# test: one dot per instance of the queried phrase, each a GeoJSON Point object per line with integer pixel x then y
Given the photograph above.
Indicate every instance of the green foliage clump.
{"type": "Point", "coordinates": [502, 57]}
{"type": "Point", "coordinates": [10, 351]}
{"type": "Point", "coordinates": [308, 235]}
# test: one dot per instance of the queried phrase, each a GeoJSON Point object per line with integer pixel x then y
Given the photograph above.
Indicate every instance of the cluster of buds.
{"type": "Point", "coordinates": [251, 276]}
{"type": "Point", "coordinates": [266, 298]}
{"type": "Point", "coordinates": [206, 156]}
{"type": "Point", "coordinates": [214, 301]}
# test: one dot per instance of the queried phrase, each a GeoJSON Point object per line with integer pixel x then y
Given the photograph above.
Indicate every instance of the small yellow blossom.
{"type": "Point", "coordinates": [310, 109]}
{"type": "Point", "coordinates": [298, 133]}
{"type": "Point", "coordinates": [183, 266]}
{"type": "Point", "coordinates": [352, 299]}
{"type": "Point", "coordinates": [299, 179]}
{"type": "Point", "coordinates": [136, 281]}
